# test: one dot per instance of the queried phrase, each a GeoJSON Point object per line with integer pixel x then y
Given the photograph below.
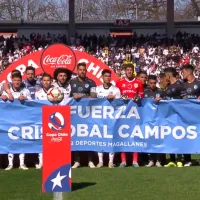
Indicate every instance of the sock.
{"type": "Point", "coordinates": [111, 157]}
{"type": "Point", "coordinates": [123, 157]}
{"type": "Point", "coordinates": [10, 159]}
{"type": "Point", "coordinates": [21, 159]}
{"type": "Point", "coordinates": [100, 155]}
{"type": "Point", "coordinates": [40, 158]}
{"type": "Point", "coordinates": [135, 157]}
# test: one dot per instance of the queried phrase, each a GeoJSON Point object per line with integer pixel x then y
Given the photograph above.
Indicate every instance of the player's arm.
{"type": "Point", "coordinates": [93, 93]}
{"type": "Point", "coordinates": [118, 94]}
{"type": "Point", "coordinates": [6, 88]}
{"type": "Point", "coordinates": [141, 90]}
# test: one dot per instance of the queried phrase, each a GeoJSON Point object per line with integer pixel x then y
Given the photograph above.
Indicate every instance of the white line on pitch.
{"type": "Point", "coordinates": [57, 196]}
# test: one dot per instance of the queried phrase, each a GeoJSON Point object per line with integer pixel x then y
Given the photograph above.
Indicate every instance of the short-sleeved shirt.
{"type": "Point", "coordinates": [149, 93]}
{"type": "Point", "coordinates": [192, 90]}
{"type": "Point", "coordinates": [103, 92]}
{"type": "Point", "coordinates": [174, 91]}
{"type": "Point", "coordinates": [130, 88]}
{"type": "Point", "coordinates": [85, 87]}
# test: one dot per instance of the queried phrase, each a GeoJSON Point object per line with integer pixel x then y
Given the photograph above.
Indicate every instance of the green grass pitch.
{"type": "Point", "coordinates": [109, 184]}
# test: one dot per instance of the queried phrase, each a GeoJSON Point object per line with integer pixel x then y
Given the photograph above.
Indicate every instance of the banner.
{"type": "Point", "coordinates": [108, 126]}
{"type": "Point", "coordinates": [56, 172]}
{"type": "Point", "coordinates": [58, 55]}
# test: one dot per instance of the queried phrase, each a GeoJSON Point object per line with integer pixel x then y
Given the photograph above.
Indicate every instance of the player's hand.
{"type": "Point", "coordinates": [125, 97]}
{"type": "Point", "coordinates": [157, 99]}
{"type": "Point", "coordinates": [21, 98]}
{"type": "Point", "coordinates": [4, 97]}
{"type": "Point", "coordinates": [111, 97]}
{"type": "Point", "coordinates": [136, 98]}
{"type": "Point", "coordinates": [78, 96]}
{"type": "Point", "coordinates": [10, 97]}
{"type": "Point", "coordinates": [198, 98]}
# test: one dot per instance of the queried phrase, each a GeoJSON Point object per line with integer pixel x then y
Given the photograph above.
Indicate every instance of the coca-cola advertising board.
{"type": "Point", "coordinates": [58, 55]}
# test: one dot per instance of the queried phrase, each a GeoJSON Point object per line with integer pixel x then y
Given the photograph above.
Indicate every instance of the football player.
{"type": "Point", "coordinates": [41, 94]}
{"type": "Point", "coordinates": [130, 88]}
{"type": "Point", "coordinates": [62, 78]}
{"type": "Point", "coordinates": [110, 92]}
{"type": "Point", "coordinates": [82, 87]}
{"type": "Point", "coordinates": [18, 92]}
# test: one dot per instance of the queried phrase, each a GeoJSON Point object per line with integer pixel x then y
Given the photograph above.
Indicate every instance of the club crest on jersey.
{"type": "Point", "coordinates": [157, 95]}
{"type": "Point", "coordinates": [86, 85]}
{"type": "Point", "coordinates": [135, 85]}
{"type": "Point", "coordinates": [195, 87]}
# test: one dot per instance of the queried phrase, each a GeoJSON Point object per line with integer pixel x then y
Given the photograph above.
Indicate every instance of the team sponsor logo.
{"type": "Point", "coordinates": [86, 85]}
{"type": "Point", "coordinates": [80, 89]}
{"type": "Point", "coordinates": [59, 56]}
{"type": "Point", "coordinates": [129, 86]}
{"type": "Point", "coordinates": [189, 90]}
{"type": "Point", "coordinates": [195, 87]}
{"type": "Point", "coordinates": [56, 121]}
{"type": "Point", "coordinates": [135, 85]}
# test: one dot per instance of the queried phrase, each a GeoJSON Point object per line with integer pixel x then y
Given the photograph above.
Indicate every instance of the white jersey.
{"type": "Point", "coordinates": [17, 93]}
{"type": "Point", "coordinates": [103, 92]}
{"type": "Point", "coordinates": [41, 94]}
{"type": "Point", "coordinates": [66, 90]}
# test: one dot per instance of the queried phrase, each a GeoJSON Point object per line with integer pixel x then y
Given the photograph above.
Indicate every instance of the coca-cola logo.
{"type": "Point", "coordinates": [63, 59]}
{"type": "Point", "coordinates": [58, 56]}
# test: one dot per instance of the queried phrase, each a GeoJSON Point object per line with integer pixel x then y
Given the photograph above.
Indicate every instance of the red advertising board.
{"type": "Point", "coordinates": [56, 172]}
{"type": "Point", "coordinates": [58, 55]}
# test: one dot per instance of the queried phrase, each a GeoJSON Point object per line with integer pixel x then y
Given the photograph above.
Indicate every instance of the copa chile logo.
{"type": "Point", "coordinates": [56, 122]}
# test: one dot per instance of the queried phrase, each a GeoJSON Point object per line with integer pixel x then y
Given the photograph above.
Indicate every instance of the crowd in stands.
{"type": "Point", "coordinates": [150, 53]}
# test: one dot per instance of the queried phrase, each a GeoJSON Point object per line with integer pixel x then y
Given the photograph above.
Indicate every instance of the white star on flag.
{"type": "Point", "coordinates": [57, 181]}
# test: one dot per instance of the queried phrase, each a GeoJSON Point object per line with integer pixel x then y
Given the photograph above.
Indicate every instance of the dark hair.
{"type": "Point", "coordinates": [16, 75]}
{"type": "Point", "coordinates": [171, 70]}
{"type": "Point", "coordinates": [46, 75]}
{"type": "Point", "coordinates": [15, 71]}
{"type": "Point", "coordinates": [162, 75]}
{"type": "Point", "coordinates": [141, 72]}
{"type": "Point", "coordinates": [62, 70]}
{"type": "Point", "coordinates": [81, 64]}
{"type": "Point", "coordinates": [106, 71]}
{"type": "Point", "coordinates": [30, 68]}
{"type": "Point", "coordinates": [188, 67]}
{"type": "Point", "coordinates": [152, 77]}
{"type": "Point", "coordinates": [129, 65]}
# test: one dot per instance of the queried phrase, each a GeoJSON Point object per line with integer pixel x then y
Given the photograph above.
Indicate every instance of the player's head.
{"type": "Point", "coordinates": [170, 73]}
{"type": "Point", "coordinates": [16, 80]}
{"type": "Point", "coordinates": [62, 75]}
{"type": "Point", "coordinates": [81, 70]}
{"type": "Point", "coordinates": [187, 71]}
{"type": "Point", "coordinates": [142, 75]}
{"type": "Point", "coordinates": [152, 79]}
{"type": "Point", "coordinates": [46, 81]}
{"type": "Point", "coordinates": [15, 71]}
{"type": "Point", "coordinates": [129, 70]}
{"type": "Point", "coordinates": [163, 80]}
{"type": "Point", "coordinates": [106, 75]}
{"type": "Point", "coordinates": [30, 73]}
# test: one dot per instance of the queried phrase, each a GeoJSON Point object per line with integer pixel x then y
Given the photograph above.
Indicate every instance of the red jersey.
{"type": "Point", "coordinates": [130, 88]}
